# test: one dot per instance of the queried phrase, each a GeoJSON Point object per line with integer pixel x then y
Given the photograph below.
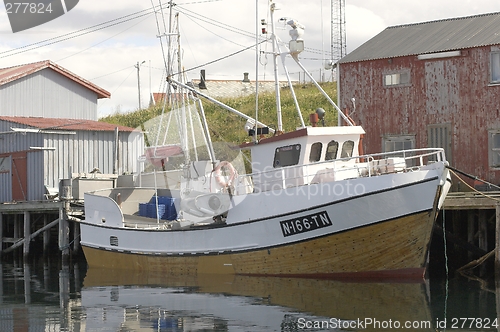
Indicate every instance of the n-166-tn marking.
{"type": "Point", "coordinates": [305, 223]}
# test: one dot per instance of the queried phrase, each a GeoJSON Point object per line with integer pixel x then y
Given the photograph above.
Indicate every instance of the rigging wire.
{"type": "Point", "coordinates": [219, 59]}
{"type": "Point", "coordinates": [102, 41]}
{"type": "Point", "coordinates": [78, 33]}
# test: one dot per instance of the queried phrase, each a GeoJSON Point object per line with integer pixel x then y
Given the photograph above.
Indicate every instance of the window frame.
{"type": "Point", "coordinates": [327, 153]}
{"type": "Point", "coordinates": [398, 139]}
{"type": "Point", "coordinates": [492, 149]}
{"type": "Point", "coordinates": [398, 79]}
{"type": "Point", "coordinates": [495, 67]}
{"type": "Point", "coordinates": [317, 154]}
{"type": "Point", "coordinates": [343, 152]}
{"type": "Point", "coordinates": [282, 149]}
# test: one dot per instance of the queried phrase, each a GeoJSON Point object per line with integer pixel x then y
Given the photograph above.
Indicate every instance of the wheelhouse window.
{"type": "Point", "coordinates": [287, 156]}
{"type": "Point", "coordinates": [331, 150]}
{"type": "Point", "coordinates": [495, 67]}
{"type": "Point", "coordinates": [494, 148]}
{"type": "Point", "coordinates": [395, 79]}
{"type": "Point", "coordinates": [398, 143]}
{"type": "Point", "coordinates": [315, 154]}
{"type": "Point", "coordinates": [347, 149]}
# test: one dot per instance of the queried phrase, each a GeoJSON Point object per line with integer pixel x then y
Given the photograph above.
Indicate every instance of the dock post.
{"type": "Point", "coordinates": [65, 191]}
{"type": "Point", "coordinates": [1, 234]}
{"type": "Point", "coordinates": [27, 234]}
{"type": "Point", "coordinates": [497, 236]}
{"type": "Point", "coordinates": [46, 236]}
{"type": "Point", "coordinates": [63, 235]}
{"type": "Point", "coordinates": [470, 231]}
{"type": "Point", "coordinates": [76, 237]}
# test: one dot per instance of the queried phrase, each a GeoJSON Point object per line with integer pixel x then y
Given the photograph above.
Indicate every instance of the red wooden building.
{"type": "Point", "coordinates": [431, 84]}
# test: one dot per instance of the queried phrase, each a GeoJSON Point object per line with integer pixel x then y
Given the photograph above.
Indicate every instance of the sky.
{"type": "Point", "coordinates": [104, 41]}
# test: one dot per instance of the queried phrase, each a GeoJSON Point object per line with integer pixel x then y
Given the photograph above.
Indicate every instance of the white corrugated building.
{"type": "Point", "coordinates": [48, 130]}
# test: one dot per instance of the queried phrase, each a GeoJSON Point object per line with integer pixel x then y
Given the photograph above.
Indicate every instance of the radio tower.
{"type": "Point", "coordinates": [338, 42]}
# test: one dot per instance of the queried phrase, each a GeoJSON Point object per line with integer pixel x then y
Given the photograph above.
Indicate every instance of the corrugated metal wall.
{"type": "Point", "coordinates": [80, 152]}
{"type": "Point", "coordinates": [453, 91]}
{"type": "Point", "coordinates": [86, 150]}
{"type": "Point", "coordinates": [6, 183]}
{"type": "Point", "coordinates": [47, 94]}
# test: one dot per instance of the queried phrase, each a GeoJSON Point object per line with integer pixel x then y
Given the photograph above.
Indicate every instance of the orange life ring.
{"type": "Point", "coordinates": [220, 178]}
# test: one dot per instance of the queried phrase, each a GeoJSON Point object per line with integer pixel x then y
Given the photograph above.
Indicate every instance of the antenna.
{"type": "Point", "coordinates": [338, 42]}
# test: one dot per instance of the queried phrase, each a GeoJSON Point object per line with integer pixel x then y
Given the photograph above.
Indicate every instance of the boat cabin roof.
{"type": "Point", "coordinates": [305, 146]}
{"type": "Point", "coordinates": [308, 131]}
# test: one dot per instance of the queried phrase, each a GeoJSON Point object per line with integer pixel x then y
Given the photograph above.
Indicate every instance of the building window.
{"type": "Point", "coordinates": [494, 148]}
{"type": "Point", "coordinates": [396, 79]}
{"type": "Point", "coordinates": [315, 154]}
{"type": "Point", "coordinates": [347, 149]}
{"type": "Point", "coordinates": [331, 150]}
{"type": "Point", "coordinates": [398, 143]}
{"type": "Point", "coordinates": [286, 156]}
{"type": "Point", "coordinates": [495, 67]}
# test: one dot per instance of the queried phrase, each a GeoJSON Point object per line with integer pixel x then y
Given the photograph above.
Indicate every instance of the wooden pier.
{"type": "Point", "coordinates": [475, 223]}
{"type": "Point", "coordinates": [472, 219]}
{"type": "Point", "coordinates": [22, 222]}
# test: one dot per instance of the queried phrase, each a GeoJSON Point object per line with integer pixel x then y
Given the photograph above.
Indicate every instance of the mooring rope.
{"type": "Point", "coordinates": [446, 267]}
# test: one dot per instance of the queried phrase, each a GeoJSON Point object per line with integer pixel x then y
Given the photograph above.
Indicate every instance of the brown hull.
{"type": "Point", "coordinates": [327, 298]}
{"type": "Point", "coordinates": [389, 249]}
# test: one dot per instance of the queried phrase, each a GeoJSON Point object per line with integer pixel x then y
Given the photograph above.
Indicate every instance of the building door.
{"type": "Point", "coordinates": [19, 174]}
{"type": "Point", "coordinates": [439, 136]}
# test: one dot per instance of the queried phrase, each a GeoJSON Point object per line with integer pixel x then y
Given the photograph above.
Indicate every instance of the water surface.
{"type": "Point", "coordinates": [47, 296]}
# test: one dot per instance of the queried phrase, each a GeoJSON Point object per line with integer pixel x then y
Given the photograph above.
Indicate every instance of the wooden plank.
{"type": "Point", "coordinates": [18, 242]}
{"type": "Point", "coordinates": [38, 206]}
{"type": "Point", "coordinates": [471, 200]}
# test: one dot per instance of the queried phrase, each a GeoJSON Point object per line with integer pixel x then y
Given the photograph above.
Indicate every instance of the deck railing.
{"type": "Point", "coordinates": [338, 169]}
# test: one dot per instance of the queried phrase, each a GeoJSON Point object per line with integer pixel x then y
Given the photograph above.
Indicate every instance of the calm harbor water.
{"type": "Point", "coordinates": [45, 296]}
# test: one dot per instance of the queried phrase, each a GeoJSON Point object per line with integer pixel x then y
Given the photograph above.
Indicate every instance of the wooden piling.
{"type": "Point", "coordinates": [1, 234]}
{"type": "Point", "coordinates": [471, 231]}
{"type": "Point", "coordinates": [76, 237]}
{"type": "Point", "coordinates": [497, 235]}
{"type": "Point", "coordinates": [46, 235]}
{"type": "Point", "coordinates": [27, 230]}
{"type": "Point", "coordinates": [63, 235]}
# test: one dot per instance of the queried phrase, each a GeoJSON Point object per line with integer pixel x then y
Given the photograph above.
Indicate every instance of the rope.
{"type": "Point", "coordinates": [68, 246]}
{"type": "Point", "coordinates": [474, 189]}
{"type": "Point", "coordinates": [446, 267]}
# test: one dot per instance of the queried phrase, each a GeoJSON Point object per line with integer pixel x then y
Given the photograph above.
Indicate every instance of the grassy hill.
{"type": "Point", "coordinates": [228, 127]}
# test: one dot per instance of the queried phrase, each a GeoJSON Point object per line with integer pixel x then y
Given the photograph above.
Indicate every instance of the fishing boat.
{"type": "Point", "coordinates": [311, 204]}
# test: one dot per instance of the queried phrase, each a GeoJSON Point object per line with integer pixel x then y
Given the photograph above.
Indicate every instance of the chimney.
{"type": "Point", "coordinates": [245, 78]}
{"type": "Point", "coordinates": [202, 80]}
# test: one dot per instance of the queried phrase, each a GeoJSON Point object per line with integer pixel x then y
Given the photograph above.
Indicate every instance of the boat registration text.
{"type": "Point", "coordinates": [305, 223]}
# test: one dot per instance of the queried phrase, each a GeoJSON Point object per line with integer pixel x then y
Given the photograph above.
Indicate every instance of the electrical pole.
{"type": "Point", "coordinates": [138, 66]}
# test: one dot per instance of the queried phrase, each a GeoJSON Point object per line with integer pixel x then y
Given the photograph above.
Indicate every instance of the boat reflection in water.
{"type": "Point", "coordinates": [119, 300]}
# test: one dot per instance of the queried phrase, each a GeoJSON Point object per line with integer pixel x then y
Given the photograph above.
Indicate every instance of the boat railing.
{"type": "Point", "coordinates": [339, 169]}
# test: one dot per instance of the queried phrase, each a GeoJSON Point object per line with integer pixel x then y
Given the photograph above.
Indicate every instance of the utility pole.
{"type": "Point", "coordinates": [138, 66]}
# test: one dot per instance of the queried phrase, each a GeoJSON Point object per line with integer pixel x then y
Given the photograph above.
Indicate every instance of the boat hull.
{"type": "Point", "coordinates": [389, 249]}
{"type": "Point", "coordinates": [382, 233]}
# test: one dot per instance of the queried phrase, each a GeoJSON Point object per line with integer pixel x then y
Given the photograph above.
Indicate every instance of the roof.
{"type": "Point", "coordinates": [64, 124]}
{"type": "Point", "coordinates": [233, 88]}
{"type": "Point", "coordinates": [430, 37]}
{"type": "Point", "coordinates": [11, 74]}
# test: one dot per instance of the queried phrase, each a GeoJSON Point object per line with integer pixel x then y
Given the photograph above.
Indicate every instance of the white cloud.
{"type": "Point", "coordinates": [107, 57]}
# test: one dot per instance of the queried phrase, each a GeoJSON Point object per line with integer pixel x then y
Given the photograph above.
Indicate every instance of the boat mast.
{"type": "Point", "coordinates": [272, 8]}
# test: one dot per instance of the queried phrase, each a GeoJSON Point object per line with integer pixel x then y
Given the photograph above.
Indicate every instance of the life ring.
{"type": "Point", "coordinates": [221, 180]}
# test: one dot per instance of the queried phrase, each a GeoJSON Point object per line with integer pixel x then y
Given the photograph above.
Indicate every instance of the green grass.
{"type": "Point", "coordinates": [228, 127]}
